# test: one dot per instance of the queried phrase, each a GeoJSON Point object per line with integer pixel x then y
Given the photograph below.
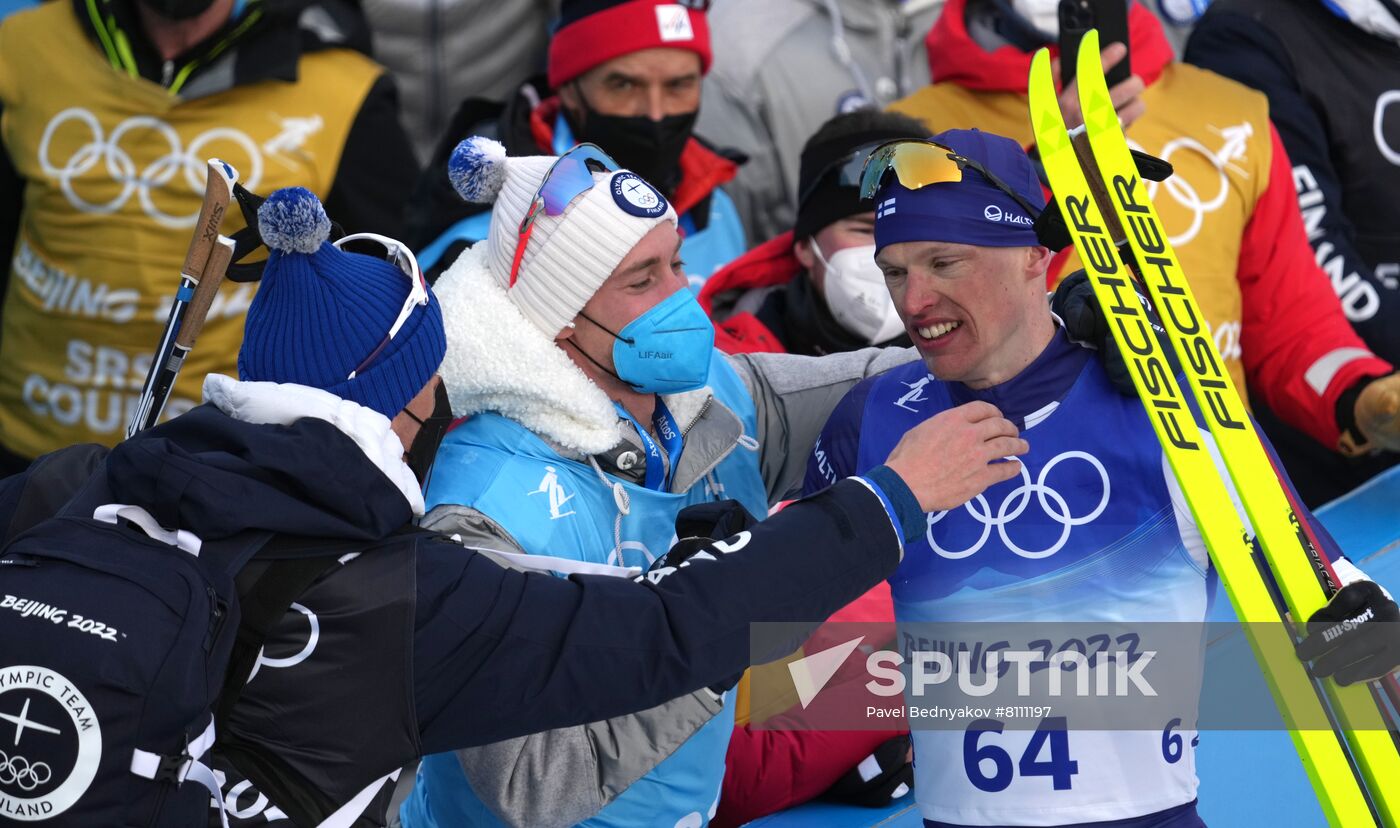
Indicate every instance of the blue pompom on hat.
{"type": "Point", "coordinates": [971, 211]}
{"type": "Point", "coordinates": [320, 312]}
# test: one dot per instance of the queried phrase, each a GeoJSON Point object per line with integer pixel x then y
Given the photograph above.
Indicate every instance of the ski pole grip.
{"type": "Point", "coordinates": [1079, 139]}
{"type": "Point", "coordinates": [205, 292]}
{"type": "Point", "coordinates": [218, 187]}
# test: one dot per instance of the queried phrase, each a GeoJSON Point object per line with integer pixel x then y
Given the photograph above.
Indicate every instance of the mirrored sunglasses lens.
{"type": "Point", "coordinates": [919, 165]}
{"type": "Point", "coordinates": [874, 171]}
{"type": "Point", "coordinates": [569, 177]}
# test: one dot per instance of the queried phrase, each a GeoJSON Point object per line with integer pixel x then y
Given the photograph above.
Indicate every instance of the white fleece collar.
{"type": "Point", "coordinates": [497, 360]}
{"type": "Point", "coordinates": [272, 403]}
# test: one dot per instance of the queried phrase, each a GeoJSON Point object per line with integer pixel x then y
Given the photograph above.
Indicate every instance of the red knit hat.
{"type": "Point", "coordinates": [592, 32]}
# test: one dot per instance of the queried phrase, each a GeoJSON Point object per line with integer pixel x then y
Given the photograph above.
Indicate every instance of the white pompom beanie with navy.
{"type": "Point", "coordinates": [568, 256]}
{"type": "Point", "coordinates": [320, 312]}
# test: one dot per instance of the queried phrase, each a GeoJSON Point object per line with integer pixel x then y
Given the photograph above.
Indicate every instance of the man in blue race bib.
{"type": "Point", "coordinates": [596, 409]}
{"type": "Point", "coordinates": [1092, 528]}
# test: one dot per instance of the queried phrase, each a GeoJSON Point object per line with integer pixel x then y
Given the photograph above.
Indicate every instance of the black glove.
{"type": "Point", "coordinates": [1074, 302]}
{"type": "Point", "coordinates": [1355, 638]}
{"type": "Point", "coordinates": [697, 528]}
{"type": "Point", "coordinates": [894, 779]}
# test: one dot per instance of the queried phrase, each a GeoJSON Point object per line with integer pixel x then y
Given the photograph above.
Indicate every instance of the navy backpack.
{"type": "Point", "coordinates": [121, 649]}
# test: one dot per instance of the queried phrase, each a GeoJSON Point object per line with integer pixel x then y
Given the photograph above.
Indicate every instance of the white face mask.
{"type": "Point", "coordinates": [856, 294]}
{"type": "Point", "coordinates": [1044, 15]}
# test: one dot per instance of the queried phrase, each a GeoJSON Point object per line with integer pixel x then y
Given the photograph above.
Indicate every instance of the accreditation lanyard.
{"type": "Point", "coordinates": [670, 435]}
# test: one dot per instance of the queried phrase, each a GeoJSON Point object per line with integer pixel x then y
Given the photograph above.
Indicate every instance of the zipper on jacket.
{"type": "Point", "coordinates": [216, 618]}
{"type": "Point", "coordinates": [167, 73]}
{"type": "Point", "coordinates": [704, 408]}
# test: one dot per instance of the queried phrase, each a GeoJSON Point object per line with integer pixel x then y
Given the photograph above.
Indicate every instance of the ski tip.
{"type": "Point", "coordinates": [1089, 51]}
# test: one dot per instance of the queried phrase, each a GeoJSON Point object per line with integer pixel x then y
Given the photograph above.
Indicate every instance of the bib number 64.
{"type": "Point", "coordinates": [978, 756]}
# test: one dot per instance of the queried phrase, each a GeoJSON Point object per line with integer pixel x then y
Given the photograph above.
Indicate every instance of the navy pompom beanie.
{"type": "Point", "coordinates": [320, 312]}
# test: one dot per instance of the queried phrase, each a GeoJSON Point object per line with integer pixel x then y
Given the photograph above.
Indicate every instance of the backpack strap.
{"type": "Point", "coordinates": [186, 765]}
{"type": "Point", "coordinates": [112, 512]}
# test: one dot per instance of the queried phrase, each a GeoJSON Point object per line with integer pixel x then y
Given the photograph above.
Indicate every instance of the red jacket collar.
{"type": "Point", "coordinates": [771, 263]}
{"type": "Point", "coordinates": [953, 55]}
{"type": "Point", "coordinates": [702, 170]}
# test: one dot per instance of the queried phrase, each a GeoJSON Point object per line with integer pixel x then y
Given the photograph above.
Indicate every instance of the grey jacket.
{"type": "Point", "coordinates": [444, 51]}
{"type": "Point", "coordinates": [559, 778]}
{"type": "Point", "coordinates": [782, 68]}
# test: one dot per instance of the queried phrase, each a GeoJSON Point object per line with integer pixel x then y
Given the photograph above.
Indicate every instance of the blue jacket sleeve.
{"type": "Point", "coordinates": [500, 653]}
{"type": "Point", "coordinates": [1243, 49]}
{"type": "Point", "coordinates": [835, 453]}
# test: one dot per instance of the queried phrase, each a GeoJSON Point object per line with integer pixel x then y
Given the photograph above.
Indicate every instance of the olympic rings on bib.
{"type": "Point", "coordinates": [1015, 504]}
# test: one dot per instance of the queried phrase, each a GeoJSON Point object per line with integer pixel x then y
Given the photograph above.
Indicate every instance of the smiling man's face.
{"type": "Point", "coordinates": [978, 315]}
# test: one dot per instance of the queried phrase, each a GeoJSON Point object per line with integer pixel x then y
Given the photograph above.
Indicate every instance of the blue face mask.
{"type": "Point", "coordinates": [666, 350]}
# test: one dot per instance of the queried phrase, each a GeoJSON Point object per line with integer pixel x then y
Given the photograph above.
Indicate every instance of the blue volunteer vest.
{"type": "Point", "coordinates": [555, 506]}
{"type": "Point", "coordinates": [704, 251]}
{"type": "Point", "coordinates": [1086, 533]}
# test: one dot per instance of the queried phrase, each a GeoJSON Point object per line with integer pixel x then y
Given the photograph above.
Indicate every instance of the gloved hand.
{"type": "Point", "coordinates": [1074, 302]}
{"type": "Point", "coordinates": [1376, 416]}
{"type": "Point", "coordinates": [883, 776]}
{"type": "Point", "coordinates": [699, 526]}
{"type": "Point", "coordinates": [697, 529]}
{"type": "Point", "coordinates": [1355, 637]}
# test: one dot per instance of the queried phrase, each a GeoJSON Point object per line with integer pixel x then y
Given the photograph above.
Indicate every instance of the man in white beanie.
{"type": "Point", "coordinates": [597, 408]}
{"type": "Point", "coordinates": [416, 645]}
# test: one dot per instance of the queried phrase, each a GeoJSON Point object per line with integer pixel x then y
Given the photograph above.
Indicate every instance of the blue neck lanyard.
{"type": "Point", "coordinates": [670, 435]}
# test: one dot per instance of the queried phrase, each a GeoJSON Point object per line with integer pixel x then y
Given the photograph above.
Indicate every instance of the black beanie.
{"type": "Point", "coordinates": [822, 198]}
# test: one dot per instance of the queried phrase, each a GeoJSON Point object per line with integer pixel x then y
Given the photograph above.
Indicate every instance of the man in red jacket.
{"type": "Point", "coordinates": [1230, 209]}
{"type": "Point", "coordinates": [816, 290]}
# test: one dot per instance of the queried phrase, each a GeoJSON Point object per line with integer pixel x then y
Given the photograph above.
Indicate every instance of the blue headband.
{"type": "Point", "coordinates": [971, 211]}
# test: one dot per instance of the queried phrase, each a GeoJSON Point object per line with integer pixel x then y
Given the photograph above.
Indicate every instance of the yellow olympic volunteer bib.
{"type": "Point", "coordinates": [1214, 132]}
{"type": "Point", "coordinates": [115, 172]}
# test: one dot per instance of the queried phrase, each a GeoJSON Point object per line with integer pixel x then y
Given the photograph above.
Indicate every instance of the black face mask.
{"type": "Point", "coordinates": [651, 149]}
{"type": "Point", "coordinates": [423, 450]}
{"type": "Point", "coordinates": [178, 9]}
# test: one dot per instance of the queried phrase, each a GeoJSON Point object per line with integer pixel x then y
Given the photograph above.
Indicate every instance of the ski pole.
{"type": "Point", "coordinates": [160, 377]}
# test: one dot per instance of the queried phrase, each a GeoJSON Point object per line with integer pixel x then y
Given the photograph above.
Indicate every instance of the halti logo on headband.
{"type": "Point", "coordinates": [636, 197]}
{"type": "Point", "coordinates": [995, 213]}
{"type": "Point", "coordinates": [673, 22]}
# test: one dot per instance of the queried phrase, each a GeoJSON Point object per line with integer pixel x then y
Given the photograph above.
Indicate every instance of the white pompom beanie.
{"type": "Point", "coordinates": [568, 256]}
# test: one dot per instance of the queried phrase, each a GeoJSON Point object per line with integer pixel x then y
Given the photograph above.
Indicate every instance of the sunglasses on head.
{"type": "Point", "coordinates": [846, 171]}
{"type": "Point", "coordinates": [918, 163]}
{"type": "Point", "coordinates": [396, 253]}
{"type": "Point", "coordinates": [568, 177]}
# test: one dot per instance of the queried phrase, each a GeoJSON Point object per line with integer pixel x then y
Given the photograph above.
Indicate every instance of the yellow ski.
{"type": "Point", "coordinates": [1324, 756]}
{"type": "Point", "coordinates": [1293, 561]}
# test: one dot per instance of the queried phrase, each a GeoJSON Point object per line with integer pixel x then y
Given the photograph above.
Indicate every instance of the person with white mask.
{"type": "Point", "coordinates": [816, 290]}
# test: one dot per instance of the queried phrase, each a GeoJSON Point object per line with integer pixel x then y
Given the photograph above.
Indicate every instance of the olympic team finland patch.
{"type": "Point", "coordinates": [636, 197]}
{"type": "Point", "coordinates": [50, 743]}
